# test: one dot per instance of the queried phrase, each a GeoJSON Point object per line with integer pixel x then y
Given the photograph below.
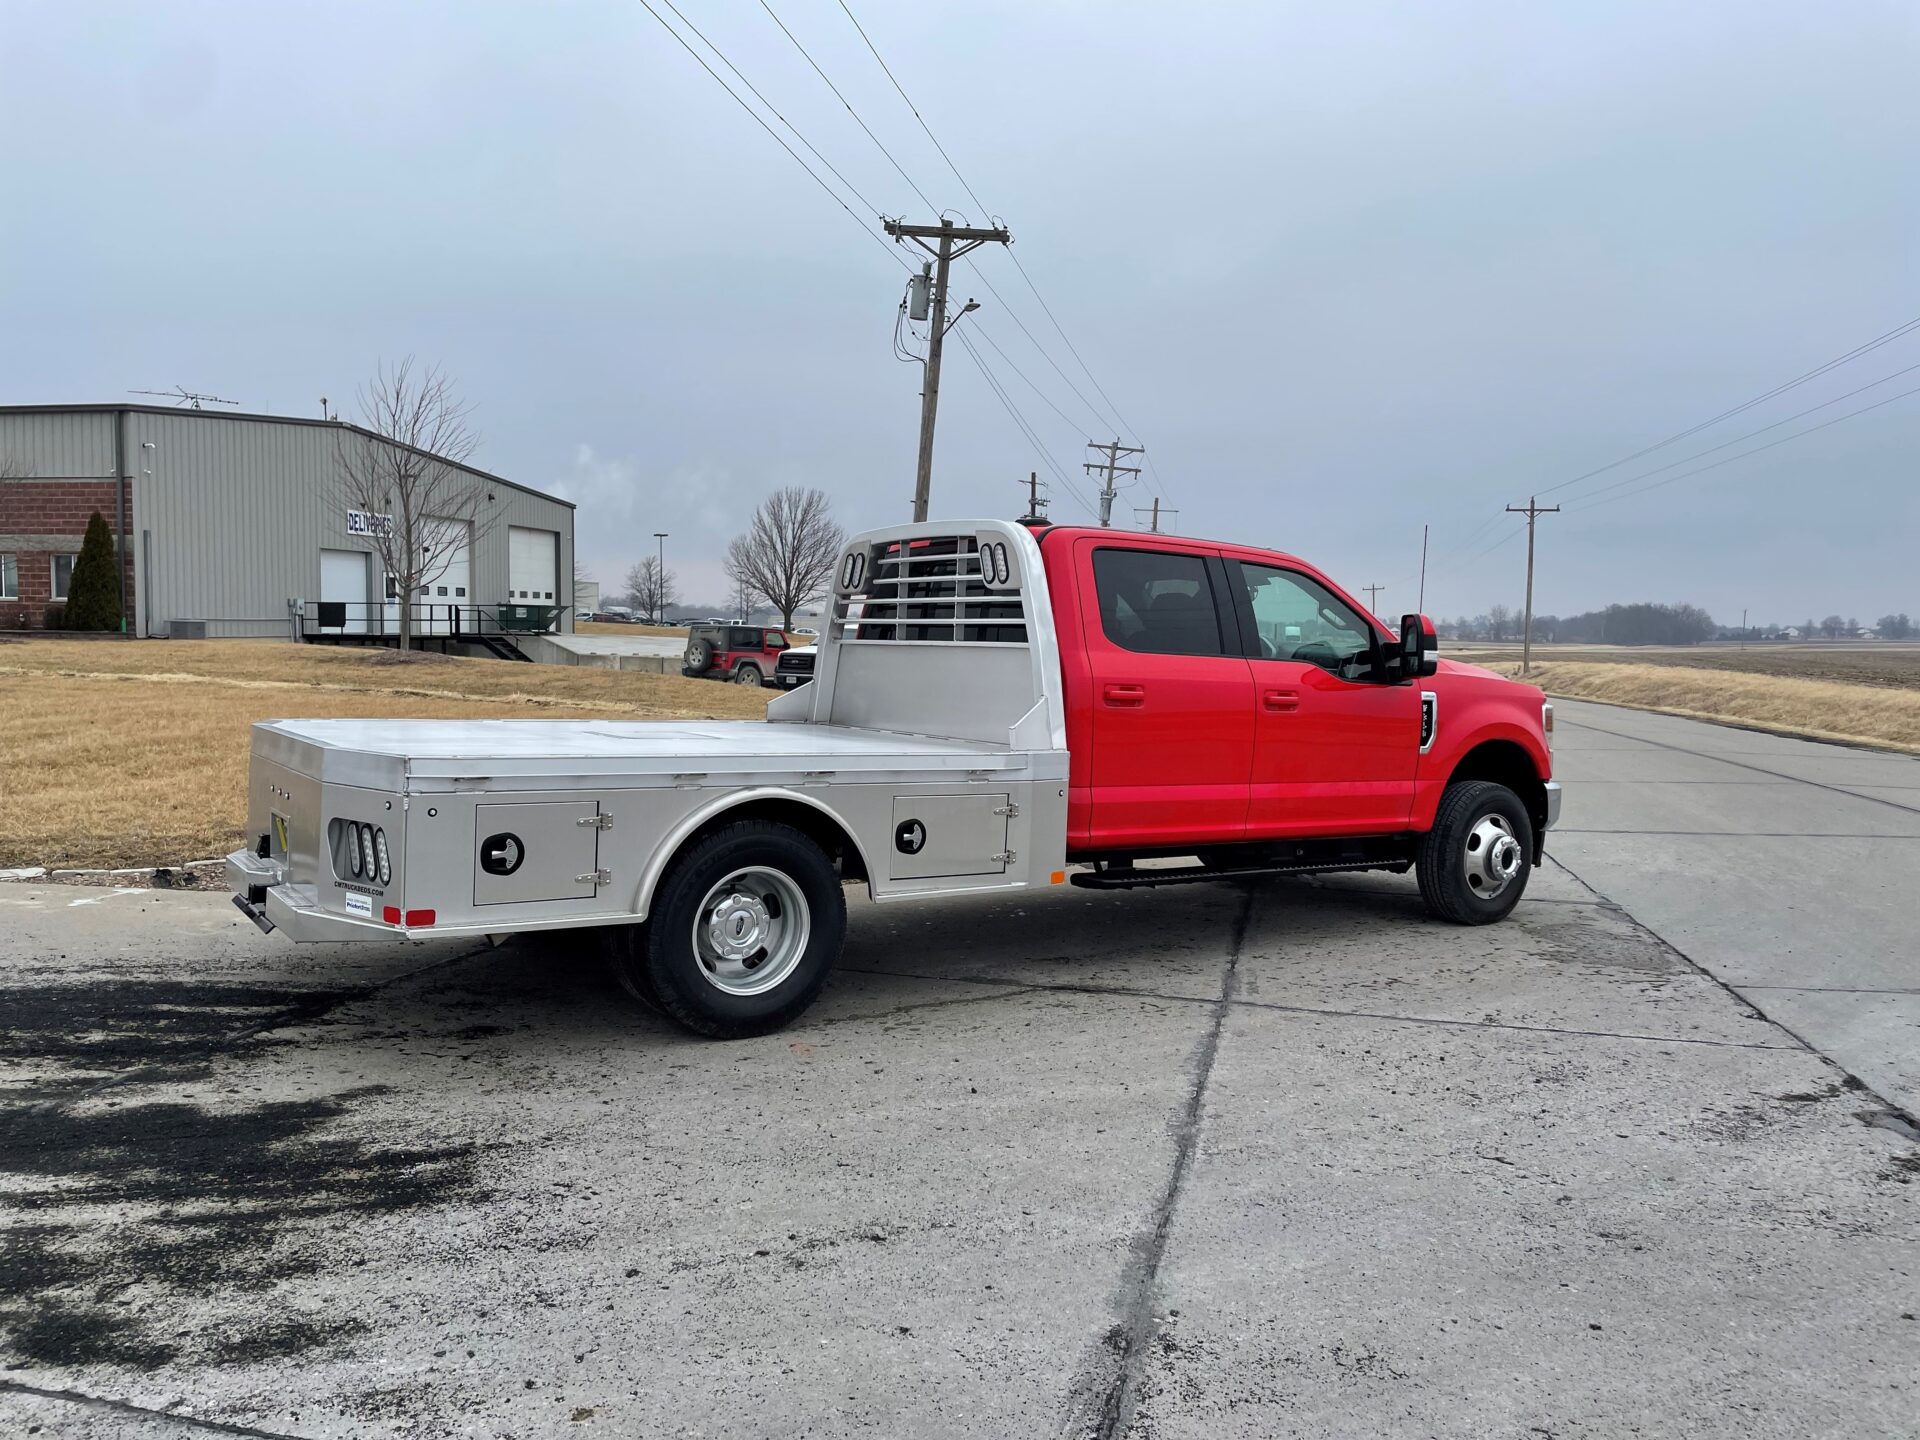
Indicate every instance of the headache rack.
{"type": "Point", "coordinates": [961, 588]}
{"type": "Point", "coordinates": [944, 629]}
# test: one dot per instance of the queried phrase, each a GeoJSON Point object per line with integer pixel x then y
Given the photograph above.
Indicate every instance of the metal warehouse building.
{"type": "Point", "coordinates": [232, 525]}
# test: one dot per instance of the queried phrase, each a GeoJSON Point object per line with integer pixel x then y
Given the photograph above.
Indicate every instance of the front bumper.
{"type": "Point", "coordinates": [1553, 803]}
{"type": "Point", "coordinates": [788, 680]}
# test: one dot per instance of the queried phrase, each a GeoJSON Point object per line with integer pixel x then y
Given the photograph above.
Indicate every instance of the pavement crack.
{"type": "Point", "coordinates": [1104, 1398]}
{"type": "Point", "coordinates": [124, 1407]}
{"type": "Point", "coordinates": [1237, 1003]}
{"type": "Point", "coordinates": [1734, 992]}
{"type": "Point", "coordinates": [1759, 769]}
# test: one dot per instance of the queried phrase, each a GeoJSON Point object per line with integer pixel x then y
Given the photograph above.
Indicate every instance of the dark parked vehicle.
{"type": "Point", "coordinates": [796, 667]}
{"type": "Point", "coordinates": [744, 654]}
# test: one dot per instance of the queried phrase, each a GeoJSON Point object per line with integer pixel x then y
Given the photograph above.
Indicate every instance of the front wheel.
{"type": "Point", "coordinates": [1475, 861]}
{"type": "Point", "coordinates": [743, 931]}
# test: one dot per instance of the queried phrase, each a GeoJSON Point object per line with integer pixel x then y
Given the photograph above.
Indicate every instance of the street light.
{"type": "Point", "coordinates": [660, 579]}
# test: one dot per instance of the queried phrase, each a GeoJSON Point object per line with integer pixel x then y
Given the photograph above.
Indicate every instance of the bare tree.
{"type": "Point", "coordinates": [651, 589]}
{"type": "Point", "coordinates": [401, 479]}
{"type": "Point", "coordinates": [788, 553]}
{"type": "Point", "coordinates": [1499, 622]}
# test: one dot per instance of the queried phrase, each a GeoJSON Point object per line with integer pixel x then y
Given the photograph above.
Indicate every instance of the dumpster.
{"type": "Point", "coordinates": [529, 619]}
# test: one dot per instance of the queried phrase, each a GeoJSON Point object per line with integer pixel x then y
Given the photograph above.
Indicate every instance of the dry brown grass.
{"type": "Point", "coordinates": [615, 627]}
{"type": "Point", "coordinates": [1892, 664]}
{"type": "Point", "coordinates": [136, 753]}
{"type": "Point", "coordinates": [1823, 709]}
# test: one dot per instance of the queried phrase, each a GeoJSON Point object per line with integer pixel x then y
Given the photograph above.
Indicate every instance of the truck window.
{"type": "Point", "coordinates": [1300, 619]}
{"type": "Point", "coordinates": [1157, 603]}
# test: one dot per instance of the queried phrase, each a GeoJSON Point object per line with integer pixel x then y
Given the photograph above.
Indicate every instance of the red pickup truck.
{"type": "Point", "coordinates": [989, 704]}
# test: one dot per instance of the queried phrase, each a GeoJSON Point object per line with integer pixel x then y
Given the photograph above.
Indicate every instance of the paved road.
{"type": "Point", "coordinates": [1217, 1162]}
{"type": "Point", "coordinates": [1787, 868]}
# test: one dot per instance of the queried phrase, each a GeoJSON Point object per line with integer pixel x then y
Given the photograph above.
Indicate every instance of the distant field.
{"type": "Point", "coordinates": [1881, 714]}
{"type": "Point", "coordinates": [135, 753]}
{"type": "Point", "coordinates": [1890, 665]}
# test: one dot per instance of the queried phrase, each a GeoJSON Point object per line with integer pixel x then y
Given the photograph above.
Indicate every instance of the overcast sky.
{"type": "Point", "coordinates": [1347, 267]}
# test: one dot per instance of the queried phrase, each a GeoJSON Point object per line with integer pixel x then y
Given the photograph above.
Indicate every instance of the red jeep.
{"type": "Point", "coordinates": [744, 654]}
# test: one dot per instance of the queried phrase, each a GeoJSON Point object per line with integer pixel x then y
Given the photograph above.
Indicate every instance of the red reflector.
{"type": "Point", "coordinates": [419, 917]}
{"type": "Point", "coordinates": [391, 914]}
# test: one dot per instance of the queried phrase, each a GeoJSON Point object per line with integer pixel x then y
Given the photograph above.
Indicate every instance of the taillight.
{"type": "Point", "coordinates": [1546, 723]}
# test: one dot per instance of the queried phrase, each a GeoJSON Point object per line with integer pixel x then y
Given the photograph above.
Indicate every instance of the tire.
{"type": "Point", "coordinates": [1469, 868]}
{"type": "Point", "coordinates": [779, 895]}
{"type": "Point", "coordinates": [699, 658]}
{"type": "Point", "coordinates": [749, 674]}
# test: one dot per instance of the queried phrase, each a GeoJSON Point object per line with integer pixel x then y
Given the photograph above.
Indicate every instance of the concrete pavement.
{"type": "Point", "coordinates": [1221, 1161]}
{"type": "Point", "coordinates": [1790, 869]}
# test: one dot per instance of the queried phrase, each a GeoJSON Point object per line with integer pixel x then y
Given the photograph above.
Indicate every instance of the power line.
{"type": "Point", "coordinates": [831, 192]}
{"type": "Point", "coordinates": [1714, 449]}
{"type": "Point", "coordinates": [1106, 422]}
{"type": "Point", "coordinates": [871, 207]}
{"type": "Point", "coordinates": [1874, 344]}
{"type": "Point", "coordinates": [916, 115]}
{"type": "Point", "coordinates": [1020, 420]}
{"type": "Point", "coordinates": [844, 101]}
{"type": "Point", "coordinates": [1684, 474]}
{"type": "Point", "coordinates": [980, 330]}
{"type": "Point", "coordinates": [1118, 421]}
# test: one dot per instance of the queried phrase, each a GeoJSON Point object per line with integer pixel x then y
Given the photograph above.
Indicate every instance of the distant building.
{"type": "Point", "coordinates": [231, 525]}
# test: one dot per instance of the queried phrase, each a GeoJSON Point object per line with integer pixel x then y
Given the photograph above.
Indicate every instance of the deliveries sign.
{"type": "Point", "coordinates": [361, 522]}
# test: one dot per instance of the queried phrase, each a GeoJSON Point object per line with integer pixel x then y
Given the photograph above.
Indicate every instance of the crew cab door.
{"type": "Point", "coordinates": [1335, 748]}
{"type": "Point", "coordinates": [1170, 699]}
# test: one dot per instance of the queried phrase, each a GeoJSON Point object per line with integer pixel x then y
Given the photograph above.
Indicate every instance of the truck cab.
{"type": "Point", "coordinates": [992, 709]}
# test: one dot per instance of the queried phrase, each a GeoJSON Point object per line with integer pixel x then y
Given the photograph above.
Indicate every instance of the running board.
{"type": "Point", "coordinates": [1130, 878]}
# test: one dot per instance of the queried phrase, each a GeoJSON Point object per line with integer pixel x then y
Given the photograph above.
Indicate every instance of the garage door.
{"type": "Point", "coordinates": [533, 565]}
{"type": "Point", "coordinates": [343, 582]}
{"type": "Point", "coordinates": [451, 589]}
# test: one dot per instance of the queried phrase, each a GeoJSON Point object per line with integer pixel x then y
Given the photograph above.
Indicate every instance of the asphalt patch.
{"type": "Point", "coordinates": [68, 1036]}
{"type": "Point", "coordinates": [113, 1210]}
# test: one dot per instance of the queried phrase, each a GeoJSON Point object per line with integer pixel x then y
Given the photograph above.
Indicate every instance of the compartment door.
{"type": "Point", "coordinates": [538, 850]}
{"type": "Point", "coordinates": [935, 836]}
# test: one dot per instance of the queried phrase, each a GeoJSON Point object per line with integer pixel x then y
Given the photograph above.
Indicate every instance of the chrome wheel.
{"type": "Point", "coordinates": [751, 931]}
{"type": "Point", "coordinates": [1493, 856]}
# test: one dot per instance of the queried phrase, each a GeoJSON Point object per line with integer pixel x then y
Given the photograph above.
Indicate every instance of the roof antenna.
{"type": "Point", "coordinates": [180, 395]}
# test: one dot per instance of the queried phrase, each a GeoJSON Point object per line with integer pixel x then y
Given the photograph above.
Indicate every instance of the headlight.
{"type": "Point", "coordinates": [380, 853]}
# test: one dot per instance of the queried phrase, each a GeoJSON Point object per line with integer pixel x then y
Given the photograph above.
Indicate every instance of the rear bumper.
{"type": "Point", "coordinates": [1553, 803]}
{"type": "Point", "coordinates": [262, 893]}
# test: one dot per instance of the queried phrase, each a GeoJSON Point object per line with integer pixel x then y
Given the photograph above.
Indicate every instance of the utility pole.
{"type": "Point", "coordinates": [1373, 597]}
{"type": "Point", "coordinates": [1152, 514]}
{"type": "Point", "coordinates": [1533, 510]}
{"type": "Point", "coordinates": [1743, 627]}
{"type": "Point", "coordinates": [1107, 469]}
{"type": "Point", "coordinates": [954, 241]}
{"type": "Point", "coordinates": [1421, 606]}
{"type": "Point", "coordinates": [1036, 507]}
{"type": "Point", "coordinates": [660, 579]}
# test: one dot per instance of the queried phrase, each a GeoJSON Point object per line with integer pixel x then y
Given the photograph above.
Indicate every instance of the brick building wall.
{"type": "Point", "coordinates": [41, 518]}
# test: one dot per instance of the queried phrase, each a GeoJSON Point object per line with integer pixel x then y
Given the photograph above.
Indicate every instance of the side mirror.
{"type": "Point", "coordinates": [1419, 647]}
